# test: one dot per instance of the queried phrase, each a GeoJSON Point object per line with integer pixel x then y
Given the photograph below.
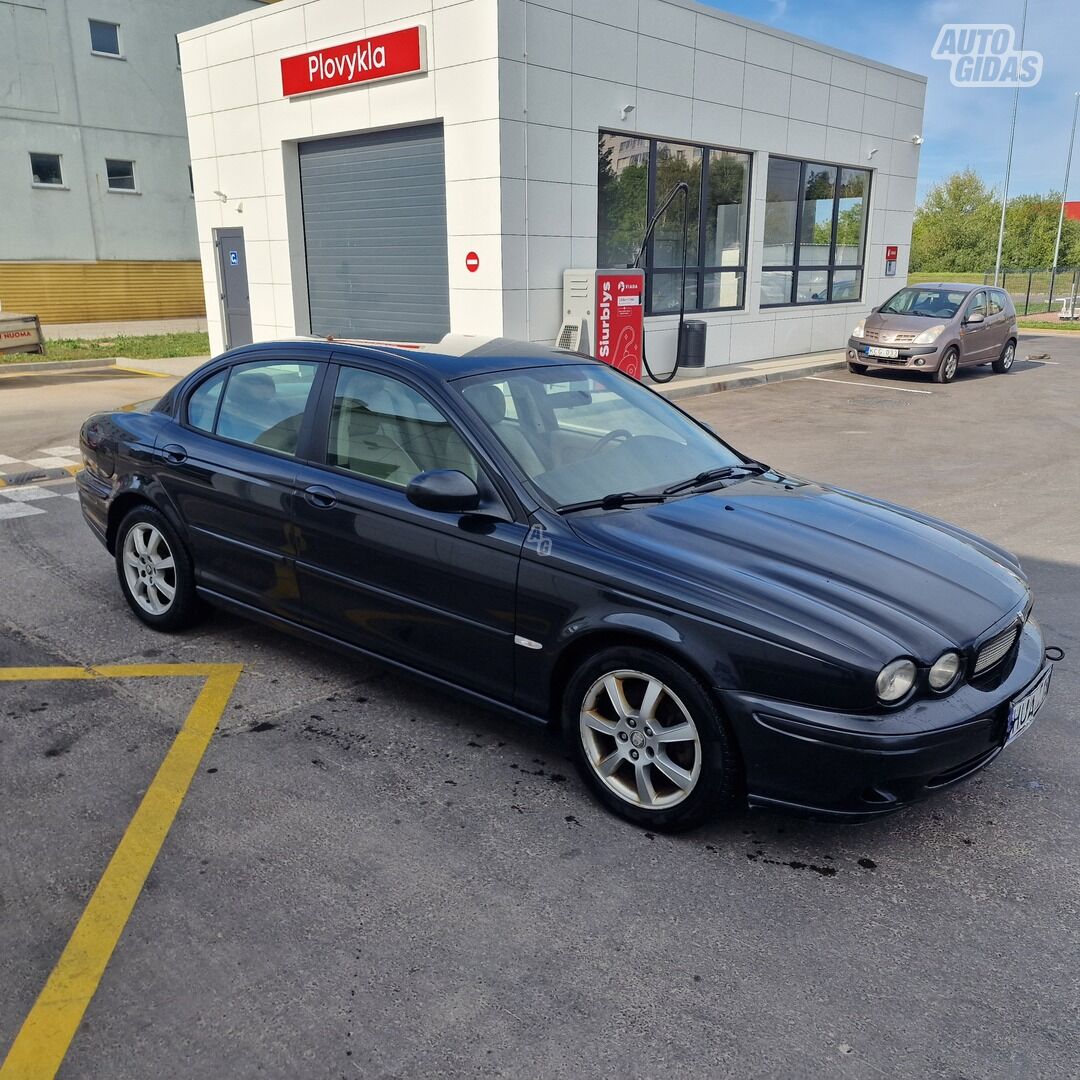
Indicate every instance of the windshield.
{"type": "Point", "coordinates": [582, 432]}
{"type": "Point", "coordinates": [927, 302]}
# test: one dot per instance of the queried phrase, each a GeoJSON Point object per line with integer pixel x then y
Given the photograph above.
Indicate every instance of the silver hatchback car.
{"type": "Point", "coordinates": [937, 329]}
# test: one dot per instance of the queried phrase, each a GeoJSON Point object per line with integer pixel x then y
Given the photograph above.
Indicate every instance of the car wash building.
{"type": "Point", "coordinates": [401, 169]}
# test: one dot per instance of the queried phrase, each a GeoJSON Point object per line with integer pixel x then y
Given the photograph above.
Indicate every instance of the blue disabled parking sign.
{"type": "Point", "coordinates": [234, 258]}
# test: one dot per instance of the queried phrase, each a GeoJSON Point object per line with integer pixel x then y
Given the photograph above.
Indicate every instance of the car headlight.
{"type": "Point", "coordinates": [895, 680]}
{"type": "Point", "coordinates": [944, 672]}
{"type": "Point", "coordinates": [860, 328]}
{"type": "Point", "coordinates": [928, 337]}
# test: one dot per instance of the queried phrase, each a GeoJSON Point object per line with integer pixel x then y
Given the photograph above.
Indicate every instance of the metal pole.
{"type": "Point", "coordinates": [1064, 194]}
{"type": "Point", "coordinates": [1008, 162]}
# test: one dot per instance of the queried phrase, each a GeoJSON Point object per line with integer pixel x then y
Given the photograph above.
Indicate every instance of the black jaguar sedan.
{"type": "Point", "coordinates": [539, 532]}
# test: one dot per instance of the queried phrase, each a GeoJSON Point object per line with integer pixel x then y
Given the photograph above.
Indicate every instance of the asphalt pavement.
{"type": "Point", "coordinates": [367, 878]}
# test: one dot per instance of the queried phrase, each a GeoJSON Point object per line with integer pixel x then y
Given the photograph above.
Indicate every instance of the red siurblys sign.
{"type": "Point", "coordinates": [620, 326]}
{"type": "Point", "coordinates": [386, 56]}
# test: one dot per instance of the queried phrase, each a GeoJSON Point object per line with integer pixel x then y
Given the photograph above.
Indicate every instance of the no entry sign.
{"type": "Point", "coordinates": [472, 262]}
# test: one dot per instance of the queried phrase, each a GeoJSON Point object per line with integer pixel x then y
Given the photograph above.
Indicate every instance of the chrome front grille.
{"type": "Point", "coordinates": [995, 649]}
{"type": "Point", "coordinates": [889, 337]}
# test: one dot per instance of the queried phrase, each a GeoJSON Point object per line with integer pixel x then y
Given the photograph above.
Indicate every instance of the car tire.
{"type": "Point", "coordinates": [1004, 362]}
{"type": "Point", "coordinates": [856, 369]}
{"type": "Point", "coordinates": [620, 711]}
{"type": "Point", "coordinates": [946, 370]}
{"type": "Point", "coordinates": [155, 571]}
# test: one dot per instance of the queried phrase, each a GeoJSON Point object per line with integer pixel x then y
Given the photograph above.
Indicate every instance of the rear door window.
{"type": "Point", "coordinates": [264, 403]}
{"type": "Point", "coordinates": [203, 404]}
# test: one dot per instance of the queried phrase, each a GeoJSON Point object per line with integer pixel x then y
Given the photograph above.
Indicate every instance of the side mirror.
{"type": "Point", "coordinates": [875, 310]}
{"type": "Point", "coordinates": [446, 491]}
{"type": "Point", "coordinates": [975, 318]}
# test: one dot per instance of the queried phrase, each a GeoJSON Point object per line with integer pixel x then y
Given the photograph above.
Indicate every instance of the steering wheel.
{"type": "Point", "coordinates": [606, 440]}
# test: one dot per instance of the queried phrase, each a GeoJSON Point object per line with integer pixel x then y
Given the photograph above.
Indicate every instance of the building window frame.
{"type": "Point", "coordinates": [832, 266]}
{"type": "Point", "coordinates": [116, 190]}
{"type": "Point", "coordinates": [107, 54]}
{"type": "Point", "coordinates": [61, 186]}
{"type": "Point", "coordinates": [698, 270]}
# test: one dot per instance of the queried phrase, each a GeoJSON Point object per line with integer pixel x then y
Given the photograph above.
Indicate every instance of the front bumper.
{"type": "Point", "coordinates": [855, 767]}
{"type": "Point", "coordinates": [914, 357]}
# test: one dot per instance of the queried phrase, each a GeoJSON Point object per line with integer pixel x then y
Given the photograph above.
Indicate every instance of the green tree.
{"type": "Point", "coordinates": [956, 229]}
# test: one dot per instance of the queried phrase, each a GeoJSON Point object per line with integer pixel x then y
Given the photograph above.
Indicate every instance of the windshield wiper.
{"type": "Point", "coordinates": [711, 476]}
{"type": "Point", "coordinates": [613, 502]}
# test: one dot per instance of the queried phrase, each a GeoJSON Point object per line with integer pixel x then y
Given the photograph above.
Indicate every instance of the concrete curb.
{"type": "Point", "coordinates": [55, 365]}
{"type": "Point", "coordinates": [745, 376]}
{"type": "Point", "coordinates": [1053, 333]}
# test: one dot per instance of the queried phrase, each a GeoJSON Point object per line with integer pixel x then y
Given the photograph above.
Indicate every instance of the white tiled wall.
{"type": "Point", "coordinates": [522, 88]}
{"type": "Point", "coordinates": [696, 74]}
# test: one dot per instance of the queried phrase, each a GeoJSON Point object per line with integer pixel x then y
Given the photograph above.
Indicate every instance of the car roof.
{"type": "Point", "coordinates": [956, 286]}
{"type": "Point", "coordinates": [456, 356]}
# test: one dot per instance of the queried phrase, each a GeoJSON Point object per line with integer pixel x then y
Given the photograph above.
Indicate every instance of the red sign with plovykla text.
{"type": "Point", "coordinates": [620, 319]}
{"type": "Point", "coordinates": [386, 56]}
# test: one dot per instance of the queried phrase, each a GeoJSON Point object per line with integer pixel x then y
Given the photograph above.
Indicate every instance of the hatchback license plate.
{"type": "Point", "coordinates": [888, 354]}
{"type": "Point", "coordinates": [1023, 709]}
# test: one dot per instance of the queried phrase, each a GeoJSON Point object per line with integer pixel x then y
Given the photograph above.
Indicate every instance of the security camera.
{"type": "Point", "coordinates": [917, 140]}
{"type": "Point", "coordinates": [222, 196]}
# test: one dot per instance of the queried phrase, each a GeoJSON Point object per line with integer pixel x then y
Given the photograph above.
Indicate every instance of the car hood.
{"type": "Point", "coordinates": [903, 324]}
{"type": "Point", "coordinates": [821, 567]}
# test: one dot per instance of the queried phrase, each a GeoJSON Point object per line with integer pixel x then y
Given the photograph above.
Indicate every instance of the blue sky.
{"type": "Point", "coordinates": [962, 127]}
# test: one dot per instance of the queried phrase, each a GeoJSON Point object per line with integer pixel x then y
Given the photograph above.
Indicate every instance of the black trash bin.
{"type": "Point", "coordinates": [692, 344]}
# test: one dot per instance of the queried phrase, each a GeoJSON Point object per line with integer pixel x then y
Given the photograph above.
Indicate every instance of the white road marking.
{"type": "Point", "coordinates": [870, 386]}
{"type": "Point", "coordinates": [59, 451]}
{"type": "Point", "coordinates": [28, 494]}
{"type": "Point", "coordinates": [50, 462]}
{"type": "Point", "coordinates": [17, 509]}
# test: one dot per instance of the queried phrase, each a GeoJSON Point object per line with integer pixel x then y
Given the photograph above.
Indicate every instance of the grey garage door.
{"type": "Point", "coordinates": [375, 234]}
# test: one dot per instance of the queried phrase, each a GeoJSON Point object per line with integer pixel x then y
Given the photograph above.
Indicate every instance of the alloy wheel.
{"type": "Point", "coordinates": [1010, 355]}
{"type": "Point", "coordinates": [149, 568]}
{"type": "Point", "coordinates": [640, 739]}
{"type": "Point", "coordinates": [950, 366]}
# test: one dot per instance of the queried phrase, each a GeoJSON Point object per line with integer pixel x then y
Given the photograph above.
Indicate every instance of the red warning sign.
{"type": "Point", "coordinates": [472, 262]}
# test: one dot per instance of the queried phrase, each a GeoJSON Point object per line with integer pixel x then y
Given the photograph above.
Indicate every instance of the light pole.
{"type": "Point", "coordinates": [1064, 196]}
{"type": "Point", "coordinates": [1008, 162]}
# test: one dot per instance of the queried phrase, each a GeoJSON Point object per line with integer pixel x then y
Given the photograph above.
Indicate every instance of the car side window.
{"type": "Point", "coordinates": [264, 403]}
{"type": "Point", "coordinates": [977, 305]}
{"type": "Point", "coordinates": [202, 405]}
{"type": "Point", "coordinates": [994, 303]}
{"type": "Point", "coordinates": [383, 429]}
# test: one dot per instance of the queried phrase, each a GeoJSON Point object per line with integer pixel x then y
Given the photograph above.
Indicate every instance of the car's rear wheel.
{"type": "Point", "coordinates": [155, 571]}
{"type": "Point", "coordinates": [856, 369]}
{"type": "Point", "coordinates": [649, 739]}
{"type": "Point", "coordinates": [946, 370]}
{"type": "Point", "coordinates": [1004, 362]}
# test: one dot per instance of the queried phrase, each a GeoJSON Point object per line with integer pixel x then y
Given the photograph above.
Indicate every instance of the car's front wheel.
{"type": "Point", "coordinates": [1004, 362]}
{"type": "Point", "coordinates": [946, 370]}
{"type": "Point", "coordinates": [155, 571]}
{"type": "Point", "coordinates": [649, 740]}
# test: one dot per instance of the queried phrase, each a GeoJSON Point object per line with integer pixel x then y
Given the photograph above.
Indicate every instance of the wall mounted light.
{"type": "Point", "coordinates": [625, 111]}
{"type": "Point", "coordinates": [872, 152]}
{"type": "Point", "coordinates": [917, 140]}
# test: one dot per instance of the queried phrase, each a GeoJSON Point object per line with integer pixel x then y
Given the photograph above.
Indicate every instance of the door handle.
{"type": "Point", "coordinates": [174, 453]}
{"type": "Point", "coordinates": [321, 497]}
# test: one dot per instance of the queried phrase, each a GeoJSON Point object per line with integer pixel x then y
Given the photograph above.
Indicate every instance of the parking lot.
{"type": "Point", "coordinates": [365, 878]}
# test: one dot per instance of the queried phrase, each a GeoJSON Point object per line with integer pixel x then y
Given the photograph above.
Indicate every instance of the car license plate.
{"type": "Point", "coordinates": [1023, 709]}
{"type": "Point", "coordinates": [877, 350]}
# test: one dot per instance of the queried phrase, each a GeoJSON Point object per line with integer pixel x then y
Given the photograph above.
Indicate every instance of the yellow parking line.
{"type": "Point", "coordinates": [142, 371]}
{"type": "Point", "coordinates": [43, 1040]}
